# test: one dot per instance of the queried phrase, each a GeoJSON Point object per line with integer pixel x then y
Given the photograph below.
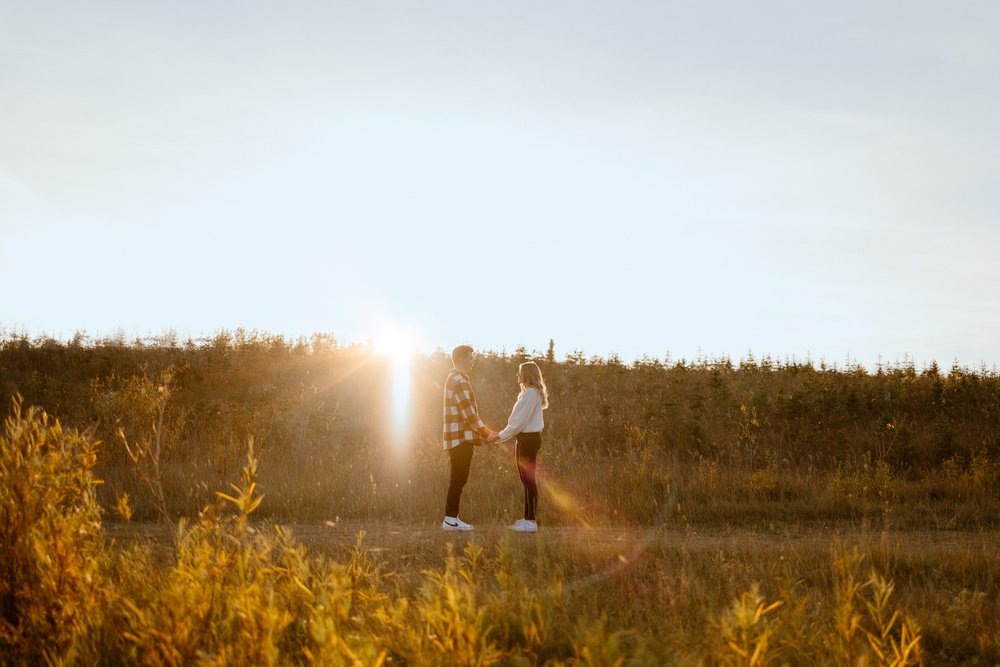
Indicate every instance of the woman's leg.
{"type": "Point", "coordinates": [528, 445]}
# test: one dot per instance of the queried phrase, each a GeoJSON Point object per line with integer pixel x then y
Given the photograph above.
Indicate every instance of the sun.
{"type": "Point", "coordinates": [396, 344]}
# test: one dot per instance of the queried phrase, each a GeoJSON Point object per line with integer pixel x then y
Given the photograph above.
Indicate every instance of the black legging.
{"type": "Point", "coordinates": [527, 448]}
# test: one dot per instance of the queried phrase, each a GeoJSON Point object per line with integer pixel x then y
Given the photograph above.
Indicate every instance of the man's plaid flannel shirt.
{"type": "Point", "coordinates": [461, 413]}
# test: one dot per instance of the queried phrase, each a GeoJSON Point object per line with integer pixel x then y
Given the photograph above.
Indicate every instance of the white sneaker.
{"type": "Point", "coordinates": [454, 523]}
{"type": "Point", "coordinates": [524, 526]}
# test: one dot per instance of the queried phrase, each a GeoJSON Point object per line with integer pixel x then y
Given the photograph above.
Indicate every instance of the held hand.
{"type": "Point", "coordinates": [493, 436]}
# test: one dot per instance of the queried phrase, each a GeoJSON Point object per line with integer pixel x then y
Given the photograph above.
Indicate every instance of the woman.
{"type": "Point", "coordinates": [526, 423]}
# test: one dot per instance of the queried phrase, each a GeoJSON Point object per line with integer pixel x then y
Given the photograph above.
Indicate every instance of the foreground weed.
{"type": "Point", "coordinates": [745, 630]}
{"type": "Point", "coordinates": [241, 596]}
{"type": "Point", "coordinates": [147, 448]}
{"type": "Point", "coordinates": [453, 619]}
{"type": "Point", "coordinates": [50, 539]}
{"type": "Point", "coordinates": [596, 645]}
{"type": "Point", "coordinates": [867, 629]}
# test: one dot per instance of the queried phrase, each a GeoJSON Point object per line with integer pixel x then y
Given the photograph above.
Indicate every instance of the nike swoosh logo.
{"type": "Point", "coordinates": [453, 525]}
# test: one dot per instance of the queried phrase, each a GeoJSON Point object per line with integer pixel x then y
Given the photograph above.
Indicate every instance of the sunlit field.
{"type": "Point", "coordinates": [249, 499]}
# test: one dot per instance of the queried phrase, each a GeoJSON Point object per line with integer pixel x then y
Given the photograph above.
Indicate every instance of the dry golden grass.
{"type": "Point", "coordinates": [691, 514]}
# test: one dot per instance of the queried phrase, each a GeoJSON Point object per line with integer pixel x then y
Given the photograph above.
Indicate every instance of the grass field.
{"type": "Point", "coordinates": [244, 501]}
{"type": "Point", "coordinates": [667, 592]}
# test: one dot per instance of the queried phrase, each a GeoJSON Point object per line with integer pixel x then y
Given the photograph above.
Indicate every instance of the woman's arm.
{"type": "Point", "coordinates": [526, 404]}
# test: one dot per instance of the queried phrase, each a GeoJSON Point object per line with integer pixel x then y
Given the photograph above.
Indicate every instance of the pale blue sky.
{"type": "Point", "coordinates": [624, 177]}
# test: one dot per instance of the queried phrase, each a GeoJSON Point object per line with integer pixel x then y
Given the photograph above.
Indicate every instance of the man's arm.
{"type": "Point", "coordinates": [467, 408]}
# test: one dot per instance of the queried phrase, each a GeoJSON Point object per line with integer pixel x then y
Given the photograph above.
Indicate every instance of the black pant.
{"type": "Point", "coordinates": [528, 445]}
{"type": "Point", "coordinates": [461, 459]}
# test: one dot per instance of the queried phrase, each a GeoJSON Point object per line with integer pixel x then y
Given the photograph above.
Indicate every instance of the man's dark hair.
{"type": "Point", "coordinates": [461, 353]}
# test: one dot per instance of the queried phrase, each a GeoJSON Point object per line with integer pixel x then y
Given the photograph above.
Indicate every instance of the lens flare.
{"type": "Point", "coordinates": [564, 501]}
{"type": "Point", "coordinates": [399, 349]}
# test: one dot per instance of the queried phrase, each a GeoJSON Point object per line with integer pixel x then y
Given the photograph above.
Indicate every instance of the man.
{"type": "Point", "coordinates": [463, 430]}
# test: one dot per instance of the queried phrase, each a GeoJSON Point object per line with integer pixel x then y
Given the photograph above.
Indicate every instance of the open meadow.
{"type": "Point", "coordinates": [248, 499]}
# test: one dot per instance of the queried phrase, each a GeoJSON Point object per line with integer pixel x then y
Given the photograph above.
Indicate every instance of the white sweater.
{"type": "Point", "coordinates": [526, 417]}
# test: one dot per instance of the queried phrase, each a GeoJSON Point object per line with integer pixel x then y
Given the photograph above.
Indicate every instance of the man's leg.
{"type": "Point", "coordinates": [461, 461]}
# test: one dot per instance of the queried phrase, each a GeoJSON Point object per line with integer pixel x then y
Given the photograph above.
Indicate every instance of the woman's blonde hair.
{"type": "Point", "coordinates": [531, 376]}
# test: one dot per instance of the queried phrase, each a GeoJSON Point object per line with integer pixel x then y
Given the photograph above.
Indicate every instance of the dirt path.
{"type": "Point", "coordinates": [403, 539]}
